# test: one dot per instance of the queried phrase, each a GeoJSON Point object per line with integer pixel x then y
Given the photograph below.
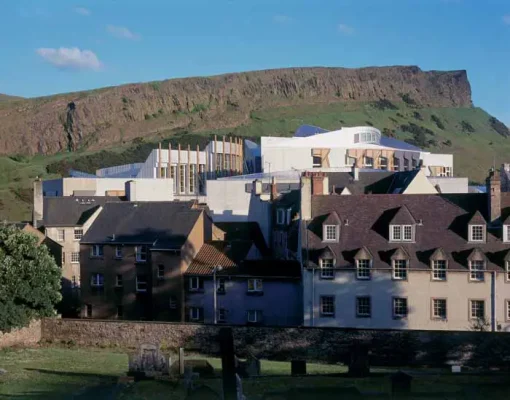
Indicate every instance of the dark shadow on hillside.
{"type": "Point", "coordinates": [72, 374]}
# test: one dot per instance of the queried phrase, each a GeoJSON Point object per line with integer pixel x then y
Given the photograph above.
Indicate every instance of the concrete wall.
{"type": "Point", "coordinates": [419, 290]}
{"type": "Point", "coordinates": [279, 343]}
{"type": "Point", "coordinates": [420, 185]}
{"type": "Point", "coordinates": [23, 337]}
{"type": "Point", "coordinates": [450, 184]}
{"type": "Point", "coordinates": [440, 160]}
{"type": "Point", "coordinates": [280, 303]}
{"type": "Point", "coordinates": [149, 189]}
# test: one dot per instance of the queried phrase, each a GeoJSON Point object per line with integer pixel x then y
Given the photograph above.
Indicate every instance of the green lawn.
{"type": "Point", "coordinates": [63, 373]}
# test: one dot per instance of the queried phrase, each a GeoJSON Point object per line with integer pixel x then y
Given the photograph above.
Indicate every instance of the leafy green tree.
{"type": "Point", "coordinates": [29, 279]}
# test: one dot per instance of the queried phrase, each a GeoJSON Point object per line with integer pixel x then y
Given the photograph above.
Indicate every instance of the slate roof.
{"type": "Point", "coordinates": [444, 225]}
{"type": "Point", "coordinates": [71, 210]}
{"type": "Point", "coordinates": [165, 225]}
{"type": "Point", "coordinates": [244, 231]}
{"type": "Point", "coordinates": [375, 182]}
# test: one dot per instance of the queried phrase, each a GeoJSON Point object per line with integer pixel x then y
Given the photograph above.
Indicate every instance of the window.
{"type": "Point", "coordinates": [172, 175]}
{"type": "Point", "coordinates": [61, 235]}
{"type": "Point", "coordinates": [280, 216]}
{"type": "Point", "coordinates": [439, 270]}
{"type": "Point", "coordinates": [401, 233]}
{"type": "Point", "coordinates": [406, 164]}
{"type": "Point", "coordinates": [88, 310]}
{"type": "Point", "coordinates": [162, 172]}
{"type": "Point", "coordinates": [74, 282]}
{"type": "Point", "coordinates": [506, 233]}
{"type": "Point", "coordinates": [97, 280]}
{"type": "Point", "coordinates": [195, 313]}
{"type": "Point", "coordinates": [400, 269]}
{"type": "Point", "coordinates": [201, 178]}
{"type": "Point", "coordinates": [63, 257]}
{"type": "Point", "coordinates": [220, 285]}
{"type": "Point", "coordinates": [75, 258]}
{"type": "Point", "coordinates": [363, 269]}
{"type": "Point", "coordinates": [254, 285]}
{"type": "Point", "coordinates": [96, 250]}
{"type": "Point", "coordinates": [330, 233]}
{"type": "Point", "coordinates": [476, 270]}
{"type": "Point", "coordinates": [399, 307]}
{"type": "Point", "coordinates": [508, 310]}
{"type": "Point", "coordinates": [141, 283]}
{"type": "Point", "coordinates": [118, 281]}
{"type": "Point", "coordinates": [222, 315]}
{"type": "Point", "coordinates": [396, 164]}
{"type": "Point", "coordinates": [327, 306]}
{"type": "Point", "coordinates": [161, 271]}
{"type": "Point", "coordinates": [414, 163]}
{"type": "Point", "coordinates": [327, 265]}
{"type": "Point", "coordinates": [182, 179]}
{"type": "Point", "coordinates": [118, 252]}
{"type": "Point", "coordinates": [172, 303]}
{"type": "Point", "coordinates": [120, 311]}
{"type": "Point", "coordinates": [477, 309]}
{"type": "Point", "coordinates": [363, 307]}
{"type": "Point", "coordinates": [227, 161]}
{"type": "Point", "coordinates": [317, 161]}
{"type": "Point", "coordinates": [356, 138]}
{"type": "Point", "coordinates": [368, 162]}
{"type": "Point", "coordinates": [141, 253]}
{"type": "Point", "coordinates": [254, 316]}
{"type": "Point", "coordinates": [192, 175]}
{"type": "Point", "coordinates": [507, 264]}
{"type": "Point", "coordinates": [195, 283]}
{"type": "Point", "coordinates": [476, 233]}
{"type": "Point", "coordinates": [439, 308]}
{"type": "Point", "coordinates": [78, 234]}
{"type": "Point", "coordinates": [383, 162]}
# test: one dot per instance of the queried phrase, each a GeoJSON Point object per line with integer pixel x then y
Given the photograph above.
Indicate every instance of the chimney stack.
{"type": "Point", "coordinates": [306, 197]}
{"type": "Point", "coordinates": [493, 184]}
{"type": "Point", "coordinates": [274, 192]}
{"type": "Point", "coordinates": [355, 171]}
{"type": "Point", "coordinates": [257, 187]}
{"type": "Point", "coordinates": [37, 214]}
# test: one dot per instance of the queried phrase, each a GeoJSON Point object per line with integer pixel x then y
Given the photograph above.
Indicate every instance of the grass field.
{"type": "Point", "coordinates": [467, 133]}
{"type": "Point", "coordinates": [63, 373]}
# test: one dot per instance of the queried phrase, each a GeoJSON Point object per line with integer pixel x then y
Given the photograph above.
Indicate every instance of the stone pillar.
{"type": "Point", "coordinates": [228, 364]}
{"type": "Point", "coordinates": [37, 214]}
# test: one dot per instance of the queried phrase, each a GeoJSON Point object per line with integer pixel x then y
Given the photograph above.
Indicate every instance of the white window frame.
{"type": "Point", "coordinates": [436, 272]}
{"type": "Point", "coordinates": [78, 234]}
{"type": "Point", "coordinates": [139, 252]}
{"type": "Point", "coordinates": [471, 309]}
{"type": "Point", "coordinates": [327, 266]}
{"type": "Point", "coordinates": [61, 235]}
{"type": "Point", "coordinates": [368, 162]}
{"type": "Point", "coordinates": [280, 216]}
{"type": "Point", "coordinates": [194, 313]}
{"type": "Point", "coordinates": [394, 305]}
{"type": "Point", "coordinates": [75, 257]}
{"type": "Point", "coordinates": [140, 282]}
{"type": "Point", "coordinates": [158, 272]}
{"type": "Point", "coordinates": [192, 178]}
{"type": "Point", "coordinates": [435, 315]}
{"type": "Point", "coordinates": [396, 233]}
{"type": "Point", "coordinates": [254, 316]}
{"type": "Point", "coordinates": [329, 229]}
{"type": "Point", "coordinates": [507, 271]}
{"type": "Point", "coordinates": [506, 233]}
{"type": "Point", "coordinates": [331, 306]}
{"type": "Point", "coordinates": [119, 282]}
{"type": "Point", "coordinates": [399, 233]}
{"type": "Point", "coordinates": [507, 311]}
{"type": "Point", "coordinates": [475, 272]}
{"type": "Point", "coordinates": [407, 229]}
{"type": "Point", "coordinates": [96, 251]}
{"type": "Point", "coordinates": [395, 269]}
{"type": "Point", "coordinates": [362, 267]}
{"type": "Point", "coordinates": [194, 283]}
{"type": "Point", "coordinates": [256, 285]}
{"type": "Point", "coordinates": [363, 314]}
{"type": "Point", "coordinates": [97, 280]}
{"type": "Point", "coordinates": [381, 164]}
{"type": "Point", "coordinates": [182, 179]}
{"type": "Point", "coordinates": [118, 252]}
{"type": "Point", "coordinates": [396, 164]}
{"type": "Point", "coordinates": [471, 233]}
{"type": "Point", "coordinates": [222, 315]}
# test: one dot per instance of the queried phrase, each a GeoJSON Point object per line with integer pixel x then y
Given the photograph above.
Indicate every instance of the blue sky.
{"type": "Point", "coordinates": [54, 46]}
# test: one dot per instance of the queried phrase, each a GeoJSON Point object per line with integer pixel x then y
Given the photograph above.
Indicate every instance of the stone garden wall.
{"type": "Point", "coordinates": [23, 337]}
{"type": "Point", "coordinates": [434, 348]}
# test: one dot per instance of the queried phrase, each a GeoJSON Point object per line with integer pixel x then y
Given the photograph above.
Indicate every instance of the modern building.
{"type": "Point", "coordinates": [316, 148]}
{"type": "Point", "coordinates": [422, 261]}
{"type": "Point", "coordinates": [134, 256]}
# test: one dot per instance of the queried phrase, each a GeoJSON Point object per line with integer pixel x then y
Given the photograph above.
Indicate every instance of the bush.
{"type": "Point", "coordinates": [466, 127]}
{"type": "Point", "coordinates": [499, 127]}
{"type": "Point", "coordinates": [384, 104]}
{"type": "Point", "coordinates": [199, 108]}
{"type": "Point", "coordinates": [417, 116]}
{"type": "Point", "coordinates": [19, 158]}
{"type": "Point", "coordinates": [155, 85]}
{"type": "Point", "coordinates": [406, 98]}
{"type": "Point", "coordinates": [447, 142]}
{"type": "Point", "coordinates": [369, 123]}
{"type": "Point", "coordinates": [437, 121]}
{"type": "Point", "coordinates": [147, 116]}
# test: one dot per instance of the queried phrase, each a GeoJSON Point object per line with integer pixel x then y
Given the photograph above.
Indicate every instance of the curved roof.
{"type": "Point", "coordinates": [308, 130]}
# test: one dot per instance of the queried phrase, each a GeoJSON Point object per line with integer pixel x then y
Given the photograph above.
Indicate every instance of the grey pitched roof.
{"type": "Point", "coordinates": [371, 181]}
{"type": "Point", "coordinates": [71, 210]}
{"type": "Point", "coordinates": [165, 225]}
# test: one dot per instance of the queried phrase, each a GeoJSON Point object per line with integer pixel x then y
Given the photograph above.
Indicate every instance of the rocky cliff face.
{"type": "Point", "coordinates": [103, 117]}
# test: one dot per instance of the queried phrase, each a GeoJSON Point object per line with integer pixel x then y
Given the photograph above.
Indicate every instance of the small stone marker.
{"type": "Point", "coordinates": [181, 361]}
{"type": "Point", "coordinates": [401, 383]}
{"type": "Point", "coordinates": [298, 367]}
{"type": "Point", "coordinates": [148, 362]}
{"type": "Point", "coordinates": [3, 371]}
{"type": "Point", "coordinates": [456, 369]}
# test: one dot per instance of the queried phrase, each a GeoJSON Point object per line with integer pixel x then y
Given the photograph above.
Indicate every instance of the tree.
{"type": "Point", "coordinates": [29, 279]}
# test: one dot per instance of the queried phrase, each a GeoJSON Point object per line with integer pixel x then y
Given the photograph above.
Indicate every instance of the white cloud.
{"type": "Point", "coordinates": [122, 32]}
{"type": "Point", "coordinates": [506, 19]}
{"type": "Point", "coordinates": [282, 19]}
{"type": "Point", "coordinates": [71, 58]}
{"type": "Point", "coordinates": [83, 11]}
{"type": "Point", "coordinates": [345, 29]}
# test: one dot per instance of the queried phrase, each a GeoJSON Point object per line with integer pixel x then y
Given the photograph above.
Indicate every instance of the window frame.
{"type": "Point", "coordinates": [280, 216]}
{"type": "Point", "coordinates": [191, 286]}
{"type": "Point", "coordinates": [119, 282]}
{"type": "Point", "coordinates": [433, 314]}
{"type": "Point", "coordinates": [160, 273]}
{"type": "Point", "coordinates": [220, 285]}
{"type": "Point", "coordinates": [257, 285]}
{"type": "Point", "coordinates": [328, 314]}
{"type": "Point", "coordinates": [61, 238]}
{"type": "Point", "coordinates": [73, 259]}
{"type": "Point", "coordinates": [473, 271]}
{"type": "Point", "coordinates": [394, 270]}
{"type": "Point", "coordinates": [327, 271]}
{"type": "Point", "coordinates": [222, 315]}
{"type": "Point", "coordinates": [360, 314]}
{"type": "Point", "coordinates": [507, 271]}
{"type": "Point", "coordinates": [393, 230]}
{"type": "Point", "coordinates": [199, 312]}
{"type": "Point", "coordinates": [118, 252]}
{"type": "Point", "coordinates": [97, 251]}
{"type": "Point", "coordinates": [139, 281]}
{"type": "Point", "coordinates": [507, 310]}
{"type": "Point", "coordinates": [394, 308]}
{"type": "Point", "coordinates": [316, 164]}
{"type": "Point", "coordinates": [360, 268]}
{"type": "Point", "coordinates": [97, 280]}
{"type": "Point", "coordinates": [367, 163]}
{"type": "Point", "coordinates": [120, 314]}
{"type": "Point", "coordinates": [80, 234]}
{"type": "Point", "coordinates": [325, 233]}
{"type": "Point", "coordinates": [257, 314]}
{"type": "Point", "coordinates": [88, 310]}
{"type": "Point", "coordinates": [435, 270]}
{"type": "Point", "coordinates": [506, 233]}
{"type": "Point", "coordinates": [139, 251]}
{"type": "Point", "coordinates": [471, 231]}
{"type": "Point", "coordinates": [384, 165]}
{"type": "Point", "coordinates": [476, 317]}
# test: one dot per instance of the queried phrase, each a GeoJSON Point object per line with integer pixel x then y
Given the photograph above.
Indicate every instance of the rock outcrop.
{"type": "Point", "coordinates": [100, 118]}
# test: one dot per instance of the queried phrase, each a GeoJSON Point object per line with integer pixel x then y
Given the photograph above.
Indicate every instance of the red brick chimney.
{"type": "Point", "coordinates": [320, 182]}
{"type": "Point", "coordinates": [274, 192]}
{"type": "Point", "coordinates": [493, 183]}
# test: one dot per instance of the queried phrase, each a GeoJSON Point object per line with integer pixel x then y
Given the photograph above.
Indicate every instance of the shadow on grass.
{"type": "Point", "coordinates": [73, 374]}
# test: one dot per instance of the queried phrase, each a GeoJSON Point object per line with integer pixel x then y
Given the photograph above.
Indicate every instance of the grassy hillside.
{"type": "Point", "coordinates": [470, 134]}
{"type": "Point", "coordinates": [6, 97]}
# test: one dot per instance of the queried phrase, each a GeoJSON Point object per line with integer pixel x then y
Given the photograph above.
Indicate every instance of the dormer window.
{"type": "Point", "coordinates": [477, 233]}
{"type": "Point", "coordinates": [506, 233]}
{"type": "Point", "coordinates": [439, 270]}
{"type": "Point", "coordinates": [331, 233]}
{"type": "Point", "coordinates": [477, 270]}
{"type": "Point", "coordinates": [327, 265]}
{"type": "Point", "coordinates": [400, 268]}
{"type": "Point", "coordinates": [363, 270]}
{"type": "Point", "coordinates": [402, 233]}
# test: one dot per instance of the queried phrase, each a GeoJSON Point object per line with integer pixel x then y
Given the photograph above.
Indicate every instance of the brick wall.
{"type": "Point", "coordinates": [279, 343]}
{"type": "Point", "coordinates": [28, 336]}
